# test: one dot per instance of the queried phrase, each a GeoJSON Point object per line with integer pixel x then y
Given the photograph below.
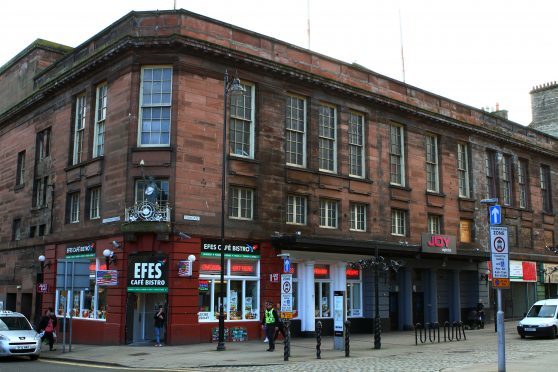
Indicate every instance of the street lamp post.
{"type": "Point", "coordinates": [233, 87]}
{"type": "Point", "coordinates": [378, 263]}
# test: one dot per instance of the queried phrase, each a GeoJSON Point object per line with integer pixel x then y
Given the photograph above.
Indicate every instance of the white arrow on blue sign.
{"type": "Point", "coordinates": [286, 265]}
{"type": "Point", "coordinates": [495, 214]}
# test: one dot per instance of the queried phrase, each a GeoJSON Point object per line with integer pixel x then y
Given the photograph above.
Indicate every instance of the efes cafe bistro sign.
{"type": "Point", "coordinates": [148, 273]}
{"type": "Point", "coordinates": [212, 248]}
{"type": "Point", "coordinates": [436, 243]}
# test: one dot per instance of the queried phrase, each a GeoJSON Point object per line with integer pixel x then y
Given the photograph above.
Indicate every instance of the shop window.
{"type": "Point", "coordinates": [322, 291]}
{"type": "Point", "coordinates": [87, 304]}
{"type": "Point", "coordinates": [354, 293]}
{"type": "Point", "coordinates": [241, 289]}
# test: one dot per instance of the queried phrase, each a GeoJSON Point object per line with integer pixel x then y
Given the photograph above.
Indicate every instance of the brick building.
{"type": "Point", "coordinates": [116, 145]}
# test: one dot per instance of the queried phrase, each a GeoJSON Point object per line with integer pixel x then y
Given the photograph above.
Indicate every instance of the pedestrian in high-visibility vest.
{"type": "Point", "coordinates": [269, 323]}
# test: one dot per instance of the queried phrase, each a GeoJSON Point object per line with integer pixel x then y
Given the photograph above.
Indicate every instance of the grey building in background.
{"type": "Point", "coordinates": [544, 106]}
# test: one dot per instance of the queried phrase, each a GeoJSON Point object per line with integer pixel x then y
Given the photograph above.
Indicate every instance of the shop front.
{"type": "Point", "coordinates": [549, 280]}
{"type": "Point", "coordinates": [242, 290]}
{"type": "Point", "coordinates": [523, 289]}
{"type": "Point", "coordinates": [147, 288]}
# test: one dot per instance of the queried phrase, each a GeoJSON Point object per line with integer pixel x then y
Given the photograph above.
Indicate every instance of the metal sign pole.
{"type": "Point", "coordinates": [72, 303]}
{"type": "Point", "coordinates": [65, 307]}
{"type": "Point", "coordinates": [501, 335]}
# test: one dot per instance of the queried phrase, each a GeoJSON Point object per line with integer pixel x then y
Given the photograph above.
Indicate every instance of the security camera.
{"type": "Point", "coordinates": [115, 244]}
{"type": "Point", "coordinates": [184, 235]}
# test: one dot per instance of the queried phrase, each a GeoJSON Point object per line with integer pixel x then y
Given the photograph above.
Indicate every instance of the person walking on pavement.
{"type": "Point", "coordinates": [159, 323]}
{"type": "Point", "coordinates": [269, 323]}
{"type": "Point", "coordinates": [280, 328]}
{"type": "Point", "coordinates": [47, 326]}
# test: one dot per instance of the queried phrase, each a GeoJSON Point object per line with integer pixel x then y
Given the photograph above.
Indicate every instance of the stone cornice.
{"type": "Point", "coordinates": [184, 43]}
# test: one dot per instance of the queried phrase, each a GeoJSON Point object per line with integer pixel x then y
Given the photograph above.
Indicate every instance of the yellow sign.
{"type": "Point", "coordinates": [502, 283]}
{"type": "Point", "coordinates": [286, 315]}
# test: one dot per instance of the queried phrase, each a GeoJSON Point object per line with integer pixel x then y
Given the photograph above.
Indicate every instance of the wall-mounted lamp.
{"type": "Point", "coordinates": [43, 263]}
{"type": "Point", "coordinates": [192, 258]}
{"type": "Point", "coordinates": [109, 257]}
{"type": "Point", "coordinates": [484, 276]}
{"type": "Point", "coordinates": [445, 262]}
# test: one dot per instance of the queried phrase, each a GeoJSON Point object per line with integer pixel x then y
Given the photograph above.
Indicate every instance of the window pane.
{"type": "Point", "coordinates": [236, 298]}
{"type": "Point", "coordinates": [251, 300]}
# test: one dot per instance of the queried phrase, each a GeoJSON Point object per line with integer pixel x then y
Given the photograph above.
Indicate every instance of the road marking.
{"type": "Point", "coordinates": [78, 364]}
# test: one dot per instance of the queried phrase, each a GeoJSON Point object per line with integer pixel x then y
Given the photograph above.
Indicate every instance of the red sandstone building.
{"type": "Point", "coordinates": [351, 159]}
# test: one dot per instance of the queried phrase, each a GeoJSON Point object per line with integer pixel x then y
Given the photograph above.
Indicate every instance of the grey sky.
{"type": "Point", "coordinates": [476, 52]}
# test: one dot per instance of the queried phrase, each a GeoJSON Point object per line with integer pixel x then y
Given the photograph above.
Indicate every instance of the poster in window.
{"type": "Point", "coordinates": [234, 300]}
{"type": "Point", "coordinates": [107, 277]}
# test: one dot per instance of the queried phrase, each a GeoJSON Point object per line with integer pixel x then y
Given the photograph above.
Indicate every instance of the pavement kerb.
{"type": "Point", "coordinates": [82, 361]}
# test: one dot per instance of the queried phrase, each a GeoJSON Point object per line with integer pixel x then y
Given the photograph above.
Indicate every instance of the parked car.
{"type": "Point", "coordinates": [541, 320]}
{"type": "Point", "coordinates": [17, 336]}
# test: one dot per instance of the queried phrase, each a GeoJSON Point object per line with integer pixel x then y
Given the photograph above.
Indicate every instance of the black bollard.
{"type": "Point", "coordinates": [287, 341]}
{"type": "Point", "coordinates": [318, 340]}
{"type": "Point", "coordinates": [347, 337]}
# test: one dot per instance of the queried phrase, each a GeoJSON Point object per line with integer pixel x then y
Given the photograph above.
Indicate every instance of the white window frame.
{"type": "Point", "coordinates": [40, 198]}
{"type": "Point", "coordinates": [297, 206]}
{"type": "Point", "coordinates": [398, 222]}
{"type": "Point", "coordinates": [434, 224]}
{"type": "Point", "coordinates": [250, 96]}
{"type": "Point", "coordinates": [397, 155]}
{"type": "Point", "coordinates": [327, 154]}
{"type": "Point", "coordinates": [79, 128]}
{"type": "Point", "coordinates": [145, 105]}
{"type": "Point", "coordinates": [356, 144]}
{"type": "Point", "coordinates": [358, 217]}
{"type": "Point", "coordinates": [329, 213]}
{"type": "Point", "coordinates": [215, 278]}
{"type": "Point", "coordinates": [43, 143]}
{"type": "Point", "coordinates": [463, 170]}
{"type": "Point", "coordinates": [95, 203]}
{"type": "Point", "coordinates": [100, 119]}
{"type": "Point", "coordinates": [20, 170]}
{"type": "Point", "coordinates": [295, 136]}
{"type": "Point", "coordinates": [94, 300]}
{"type": "Point", "coordinates": [241, 194]}
{"type": "Point", "coordinates": [546, 195]}
{"type": "Point", "coordinates": [432, 164]}
{"type": "Point", "coordinates": [350, 289]}
{"type": "Point", "coordinates": [522, 181]}
{"type": "Point", "coordinates": [74, 207]}
{"type": "Point", "coordinates": [320, 283]}
{"type": "Point", "coordinates": [507, 180]}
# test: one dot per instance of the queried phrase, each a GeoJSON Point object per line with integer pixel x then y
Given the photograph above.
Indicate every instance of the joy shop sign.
{"type": "Point", "coordinates": [147, 273]}
{"type": "Point", "coordinates": [436, 243]}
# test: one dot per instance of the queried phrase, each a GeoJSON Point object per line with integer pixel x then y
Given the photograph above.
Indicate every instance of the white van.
{"type": "Point", "coordinates": [541, 320]}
